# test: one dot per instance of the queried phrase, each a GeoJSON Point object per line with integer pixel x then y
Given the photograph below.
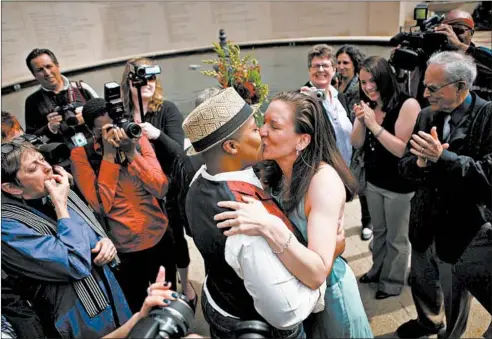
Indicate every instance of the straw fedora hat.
{"type": "Point", "coordinates": [216, 119]}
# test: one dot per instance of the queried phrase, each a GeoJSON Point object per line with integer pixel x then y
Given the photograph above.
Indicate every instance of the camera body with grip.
{"type": "Point", "coordinates": [116, 111]}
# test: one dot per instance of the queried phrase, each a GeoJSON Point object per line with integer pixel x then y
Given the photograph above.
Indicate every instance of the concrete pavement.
{"type": "Point", "coordinates": [384, 315]}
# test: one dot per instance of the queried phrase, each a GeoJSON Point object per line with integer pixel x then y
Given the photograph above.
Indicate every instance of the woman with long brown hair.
{"type": "Point", "coordinates": [385, 120]}
{"type": "Point", "coordinates": [311, 181]}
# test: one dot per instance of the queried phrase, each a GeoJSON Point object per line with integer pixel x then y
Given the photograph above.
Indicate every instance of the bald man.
{"type": "Point", "coordinates": [459, 27]}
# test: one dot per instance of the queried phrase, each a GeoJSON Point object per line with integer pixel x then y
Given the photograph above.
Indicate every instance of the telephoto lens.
{"type": "Point", "coordinates": [173, 321]}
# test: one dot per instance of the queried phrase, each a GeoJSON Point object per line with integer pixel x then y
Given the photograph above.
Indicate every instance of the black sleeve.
{"type": "Point", "coordinates": [408, 163]}
{"type": "Point", "coordinates": [19, 313]}
{"type": "Point", "coordinates": [472, 172]}
{"type": "Point", "coordinates": [481, 55]}
{"type": "Point", "coordinates": [343, 100]}
{"type": "Point", "coordinates": [171, 140]}
{"type": "Point", "coordinates": [483, 58]}
{"type": "Point", "coordinates": [35, 120]}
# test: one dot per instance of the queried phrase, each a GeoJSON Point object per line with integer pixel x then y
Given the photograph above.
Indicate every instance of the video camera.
{"type": "Point", "coordinates": [417, 46]}
{"type": "Point", "coordinates": [116, 111]}
{"type": "Point", "coordinates": [55, 153]}
{"type": "Point", "coordinates": [142, 74]}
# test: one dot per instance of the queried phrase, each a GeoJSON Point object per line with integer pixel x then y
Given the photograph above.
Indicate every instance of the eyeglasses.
{"type": "Point", "coordinates": [460, 30]}
{"type": "Point", "coordinates": [324, 66]}
{"type": "Point", "coordinates": [434, 89]}
{"type": "Point", "coordinates": [7, 148]}
{"type": "Point", "coordinates": [17, 142]}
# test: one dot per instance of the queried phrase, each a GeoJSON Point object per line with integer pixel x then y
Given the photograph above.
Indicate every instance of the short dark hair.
{"type": "Point", "coordinates": [321, 51]}
{"type": "Point", "coordinates": [9, 124]}
{"type": "Point", "coordinates": [37, 52]}
{"type": "Point", "coordinates": [354, 54]}
{"type": "Point", "coordinates": [11, 162]}
{"type": "Point", "coordinates": [93, 109]}
{"type": "Point", "coordinates": [385, 80]}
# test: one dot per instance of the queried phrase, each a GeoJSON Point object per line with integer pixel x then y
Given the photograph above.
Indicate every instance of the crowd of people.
{"type": "Point", "coordinates": [262, 194]}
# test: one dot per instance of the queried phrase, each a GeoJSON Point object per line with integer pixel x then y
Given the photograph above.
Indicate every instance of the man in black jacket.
{"type": "Point", "coordinates": [41, 115]}
{"type": "Point", "coordinates": [450, 159]}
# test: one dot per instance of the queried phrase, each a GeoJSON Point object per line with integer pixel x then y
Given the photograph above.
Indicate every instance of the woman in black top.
{"type": "Point", "coordinates": [384, 122]}
{"type": "Point", "coordinates": [349, 59]}
{"type": "Point", "coordinates": [161, 123]}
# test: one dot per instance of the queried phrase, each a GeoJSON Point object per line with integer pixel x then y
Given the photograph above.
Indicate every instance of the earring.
{"type": "Point", "coordinates": [297, 151]}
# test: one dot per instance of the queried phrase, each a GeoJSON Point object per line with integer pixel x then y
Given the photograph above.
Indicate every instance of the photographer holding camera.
{"type": "Point", "coordinates": [54, 111]}
{"type": "Point", "coordinates": [161, 122]}
{"type": "Point", "coordinates": [322, 65]}
{"type": "Point", "coordinates": [54, 251]}
{"type": "Point", "coordinates": [122, 180]}
{"type": "Point", "coordinates": [457, 27]}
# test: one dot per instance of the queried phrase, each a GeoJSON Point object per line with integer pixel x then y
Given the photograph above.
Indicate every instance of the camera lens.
{"type": "Point", "coordinates": [173, 321]}
{"type": "Point", "coordinates": [141, 71]}
{"type": "Point", "coordinates": [320, 94]}
{"type": "Point", "coordinates": [133, 130]}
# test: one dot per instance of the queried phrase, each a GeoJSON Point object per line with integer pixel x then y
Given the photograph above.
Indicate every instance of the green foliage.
{"type": "Point", "coordinates": [242, 73]}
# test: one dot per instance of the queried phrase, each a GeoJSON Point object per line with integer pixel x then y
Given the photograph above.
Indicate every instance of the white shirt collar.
{"type": "Point", "coordinates": [66, 83]}
{"type": "Point", "coordinates": [247, 175]}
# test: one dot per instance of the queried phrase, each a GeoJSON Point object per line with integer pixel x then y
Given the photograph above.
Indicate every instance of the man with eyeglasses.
{"type": "Point", "coordinates": [459, 27]}
{"type": "Point", "coordinates": [450, 159]}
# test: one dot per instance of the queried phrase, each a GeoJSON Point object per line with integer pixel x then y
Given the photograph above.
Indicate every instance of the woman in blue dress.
{"type": "Point", "coordinates": [311, 181]}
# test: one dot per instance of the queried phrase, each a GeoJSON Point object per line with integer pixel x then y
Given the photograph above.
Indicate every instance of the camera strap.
{"type": "Point", "coordinates": [95, 161]}
{"type": "Point", "coordinates": [81, 91]}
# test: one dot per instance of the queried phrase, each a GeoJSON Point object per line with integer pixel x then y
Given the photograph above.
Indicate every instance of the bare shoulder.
{"type": "Point", "coordinates": [410, 106]}
{"type": "Point", "coordinates": [326, 185]}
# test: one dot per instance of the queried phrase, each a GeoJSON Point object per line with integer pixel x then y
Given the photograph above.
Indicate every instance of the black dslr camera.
{"type": "Point", "coordinates": [114, 105]}
{"type": "Point", "coordinates": [173, 321]}
{"type": "Point", "coordinates": [417, 46]}
{"type": "Point", "coordinates": [65, 106]}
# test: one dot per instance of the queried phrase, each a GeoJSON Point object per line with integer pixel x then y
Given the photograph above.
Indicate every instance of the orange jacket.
{"type": "Point", "coordinates": [129, 196]}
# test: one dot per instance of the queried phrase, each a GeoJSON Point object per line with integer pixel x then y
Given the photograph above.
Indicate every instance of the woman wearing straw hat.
{"type": "Point", "coordinates": [245, 279]}
{"type": "Point", "coordinates": [312, 183]}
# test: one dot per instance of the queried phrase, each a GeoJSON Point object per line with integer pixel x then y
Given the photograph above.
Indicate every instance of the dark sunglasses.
{"type": "Point", "coordinates": [460, 30]}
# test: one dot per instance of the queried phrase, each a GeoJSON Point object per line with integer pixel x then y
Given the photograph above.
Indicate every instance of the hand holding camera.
{"type": "Point", "coordinates": [314, 92]}
{"type": "Point", "coordinates": [453, 40]}
{"type": "Point", "coordinates": [54, 121]}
